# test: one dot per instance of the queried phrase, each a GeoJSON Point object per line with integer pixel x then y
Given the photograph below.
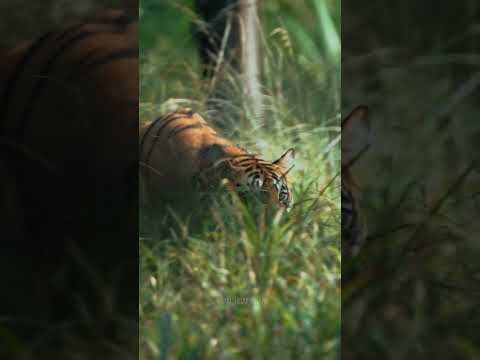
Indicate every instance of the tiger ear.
{"type": "Point", "coordinates": [287, 160]}
{"type": "Point", "coordinates": [358, 116]}
{"type": "Point", "coordinates": [355, 133]}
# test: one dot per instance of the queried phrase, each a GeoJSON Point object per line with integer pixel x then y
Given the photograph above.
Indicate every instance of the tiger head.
{"type": "Point", "coordinates": [247, 175]}
{"type": "Point", "coordinates": [355, 129]}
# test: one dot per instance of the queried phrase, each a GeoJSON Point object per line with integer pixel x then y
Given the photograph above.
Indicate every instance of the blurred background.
{"type": "Point", "coordinates": [26, 19]}
{"type": "Point", "coordinates": [415, 292]}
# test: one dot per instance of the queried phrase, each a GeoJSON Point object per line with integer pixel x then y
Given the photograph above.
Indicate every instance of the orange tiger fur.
{"type": "Point", "coordinates": [181, 153]}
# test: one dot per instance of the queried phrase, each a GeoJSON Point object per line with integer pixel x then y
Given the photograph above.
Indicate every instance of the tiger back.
{"type": "Point", "coordinates": [180, 153]}
{"type": "Point", "coordinates": [354, 128]}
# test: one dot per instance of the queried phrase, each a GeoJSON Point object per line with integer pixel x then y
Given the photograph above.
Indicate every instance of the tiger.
{"type": "Point", "coordinates": [181, 153]}
{"type": "Point", "coordinates": [353, 226]}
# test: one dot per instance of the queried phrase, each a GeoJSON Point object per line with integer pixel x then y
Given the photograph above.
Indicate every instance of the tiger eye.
{"type": "Point", "coordinates": [258, 183]}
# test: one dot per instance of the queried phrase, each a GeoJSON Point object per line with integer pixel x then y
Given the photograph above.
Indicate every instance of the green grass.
{"type": "Point", "coordinates": [243, 282]}
{"type": "Point", "coordinates": [243, 286]}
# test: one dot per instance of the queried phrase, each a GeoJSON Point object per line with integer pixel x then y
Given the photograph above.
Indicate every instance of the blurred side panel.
{"type": "Point", "coordinates": [413, 289]}
{"type": "Point", "coordinates": [68, 190]}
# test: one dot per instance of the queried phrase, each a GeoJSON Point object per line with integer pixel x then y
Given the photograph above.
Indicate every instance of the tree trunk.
{"type": "Point", "coordinates": [229, 39]}
{"type": "Point", "coordinates": [250, 55]}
